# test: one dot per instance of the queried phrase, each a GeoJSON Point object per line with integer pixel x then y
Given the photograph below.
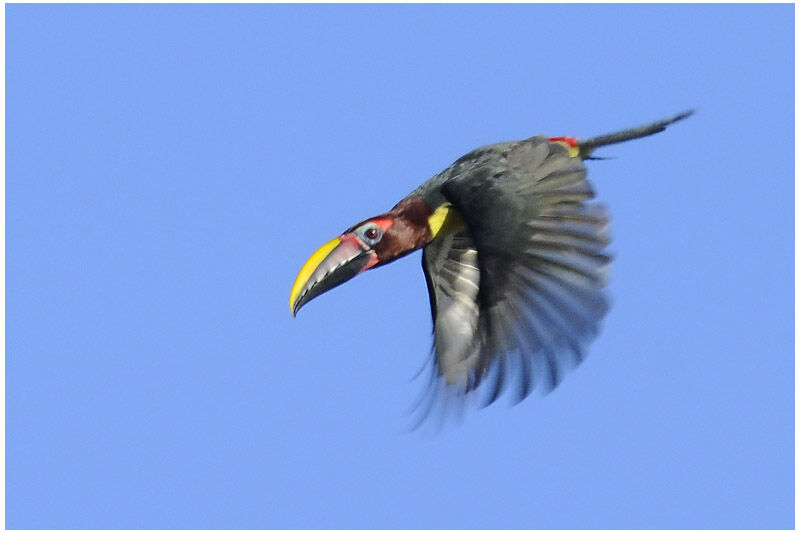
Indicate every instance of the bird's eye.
{"type": "Point", "coordinates": [372, 234]}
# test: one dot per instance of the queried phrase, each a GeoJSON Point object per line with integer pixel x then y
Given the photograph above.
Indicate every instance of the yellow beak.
{"type": "Point", "coordinates": [308, 268]}
{"type": "Point", "coordinates": [333, 264]}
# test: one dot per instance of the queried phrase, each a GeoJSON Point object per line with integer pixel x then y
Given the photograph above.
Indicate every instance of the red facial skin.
{"type": "Point", "coordinates": [405, 229]}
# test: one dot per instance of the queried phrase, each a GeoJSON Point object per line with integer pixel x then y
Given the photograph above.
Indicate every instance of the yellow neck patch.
{"type": "Point", "coordinates": [445, 219]}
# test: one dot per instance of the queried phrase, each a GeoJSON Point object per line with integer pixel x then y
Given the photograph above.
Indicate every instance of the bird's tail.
{"type": "Point", "coordinates": [587, 146]}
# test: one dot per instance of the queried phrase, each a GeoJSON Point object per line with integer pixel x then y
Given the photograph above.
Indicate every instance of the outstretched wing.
{"type": "Point", "coordinates": [517, 295]}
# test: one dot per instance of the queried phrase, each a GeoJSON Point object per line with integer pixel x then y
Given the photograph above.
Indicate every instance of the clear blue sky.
{"type": "Point", "coordinates": [170, 168]}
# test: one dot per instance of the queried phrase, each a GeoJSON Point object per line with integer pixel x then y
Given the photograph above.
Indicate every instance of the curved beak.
{"type": "Point", "coordinates": [334, 263]}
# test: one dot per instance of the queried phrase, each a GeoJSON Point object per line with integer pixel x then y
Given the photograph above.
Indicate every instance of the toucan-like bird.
{"type": "Point", "coordinates": [513, 255]}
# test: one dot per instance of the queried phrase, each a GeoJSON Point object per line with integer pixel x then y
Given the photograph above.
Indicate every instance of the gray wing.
{"type": "Point", "coordinates": [517, 295]}
{"type": "Point", "coordinates": [452, 272]}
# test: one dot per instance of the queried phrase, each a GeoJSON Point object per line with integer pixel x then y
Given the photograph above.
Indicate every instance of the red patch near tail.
{"type": "Point", "coordinates": [572, 141]}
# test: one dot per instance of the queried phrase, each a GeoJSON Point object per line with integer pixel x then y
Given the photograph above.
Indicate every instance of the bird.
{"type": "Point", "coordinates": [514, 257]}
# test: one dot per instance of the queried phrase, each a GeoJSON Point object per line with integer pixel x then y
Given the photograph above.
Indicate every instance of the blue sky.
{"type": "Point", "coordinates": [170, 168]}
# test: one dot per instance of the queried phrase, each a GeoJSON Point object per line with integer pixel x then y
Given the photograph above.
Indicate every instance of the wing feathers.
{"type": "Point", "coordinates": [521, 313]}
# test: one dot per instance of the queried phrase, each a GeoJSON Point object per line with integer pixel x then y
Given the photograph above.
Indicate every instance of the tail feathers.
{"type": "Point", "coordinates": [586, 147]}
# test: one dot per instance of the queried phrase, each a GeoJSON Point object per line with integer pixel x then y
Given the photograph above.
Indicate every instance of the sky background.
{"type": "Point", "coordinates": [170, 168]}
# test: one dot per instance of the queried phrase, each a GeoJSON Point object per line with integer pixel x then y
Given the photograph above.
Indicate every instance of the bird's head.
{"type": "Point", "coordinates": [379, 240]}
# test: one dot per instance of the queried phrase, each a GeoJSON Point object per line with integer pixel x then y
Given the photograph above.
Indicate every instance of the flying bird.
{"type": "Point", "coordinates": [513, 255]}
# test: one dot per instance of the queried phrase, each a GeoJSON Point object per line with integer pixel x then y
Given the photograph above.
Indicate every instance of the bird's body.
{"type": "Point", "coordinates": [513, 256]}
